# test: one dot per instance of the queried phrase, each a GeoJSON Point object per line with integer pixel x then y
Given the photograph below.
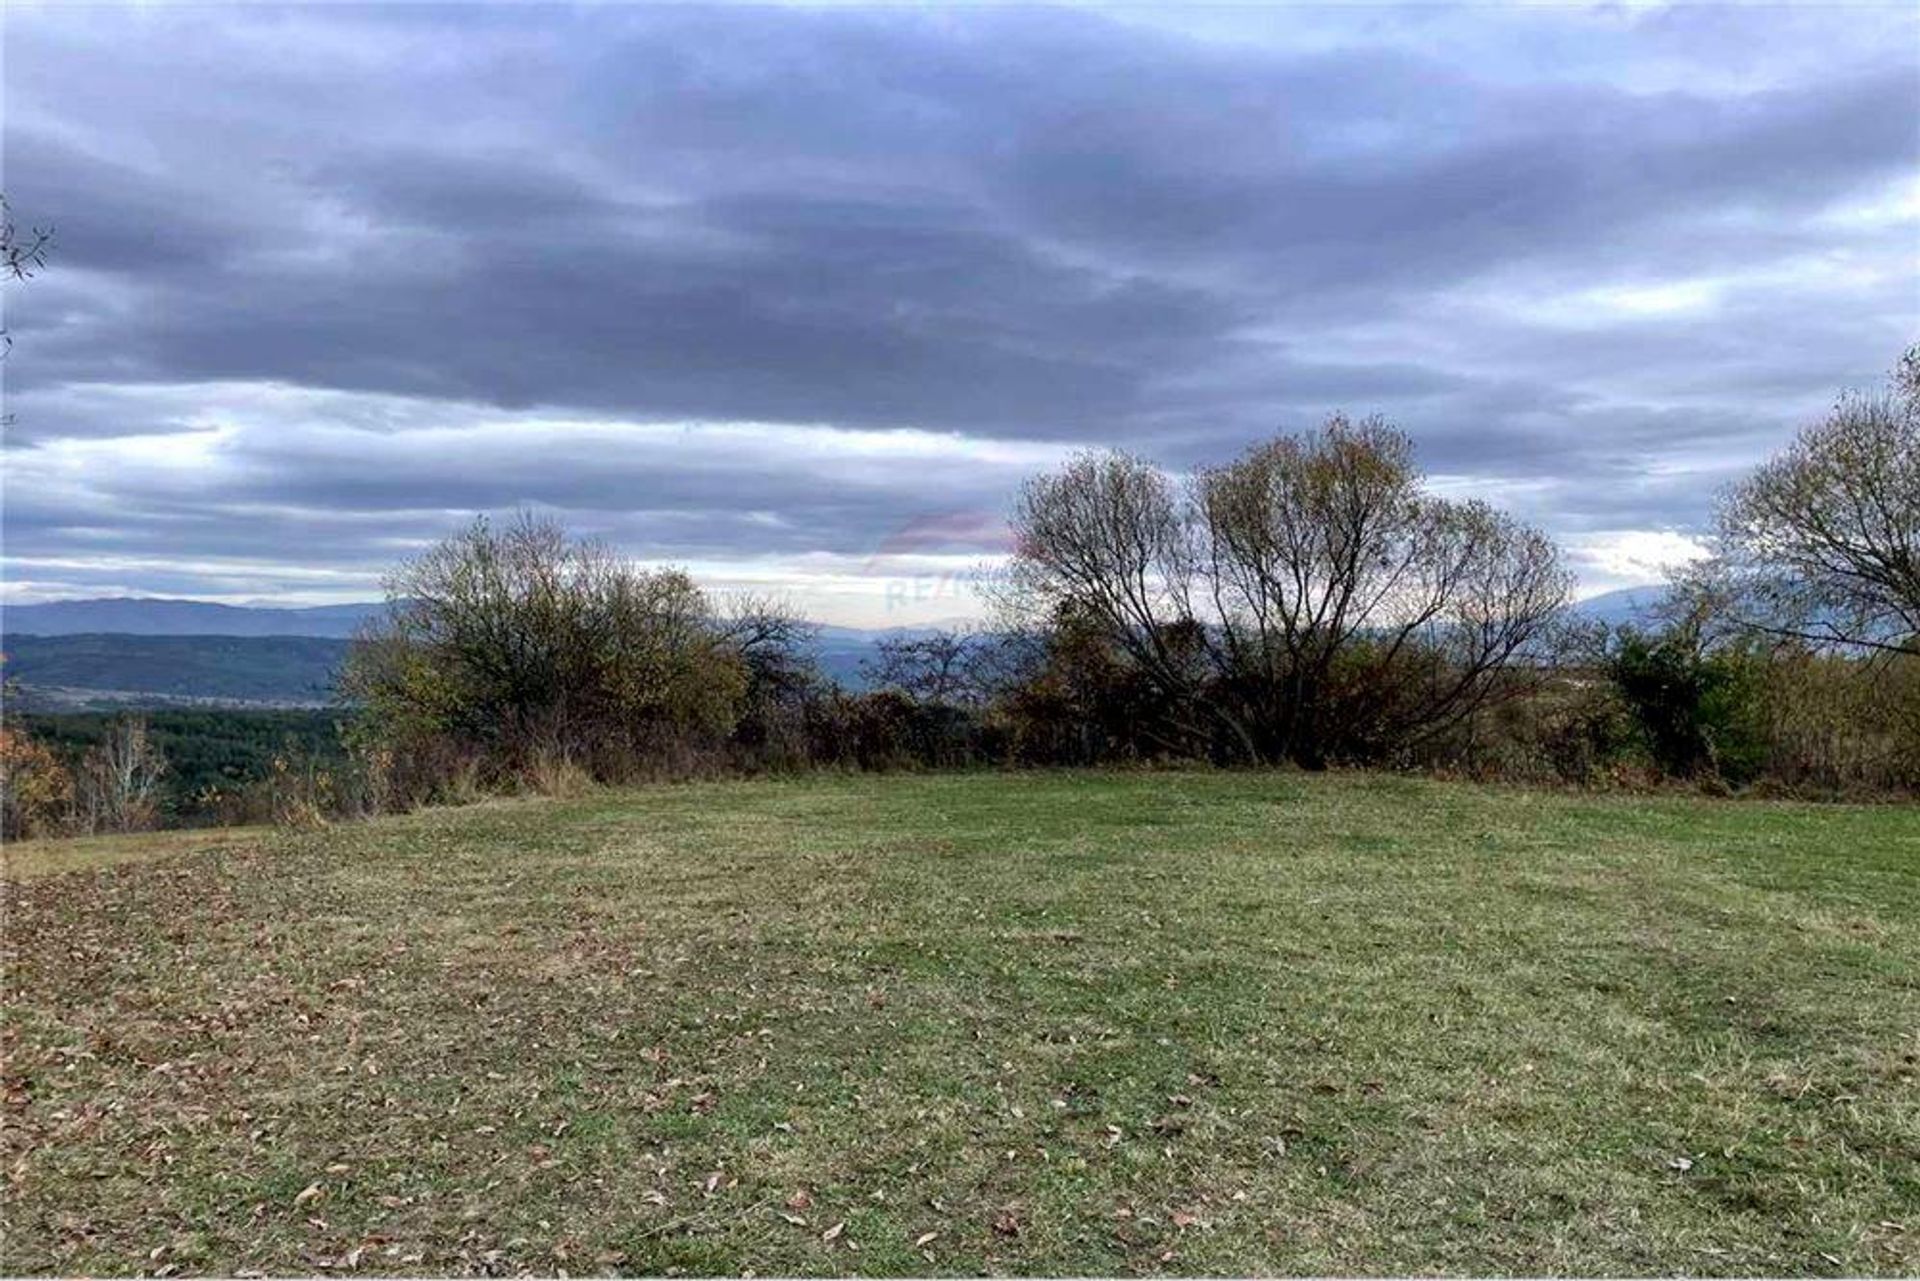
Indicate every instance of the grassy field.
{"type": "Point", "coordinates": [1074, 1023]}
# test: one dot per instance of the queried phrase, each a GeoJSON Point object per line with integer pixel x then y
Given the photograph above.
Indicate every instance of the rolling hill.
{"type": "Point", "coordinates": [94, 670]}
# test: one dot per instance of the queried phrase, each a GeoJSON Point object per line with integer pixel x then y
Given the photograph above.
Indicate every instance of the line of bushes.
{"type": "Point", "coordinates": [1311, 602]}
{"type": "Point", "coordinates": [1627, 709]}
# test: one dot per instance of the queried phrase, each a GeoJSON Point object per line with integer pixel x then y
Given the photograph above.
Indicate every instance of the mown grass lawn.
{"type": "Point", "coordinates": [1068, 1023]}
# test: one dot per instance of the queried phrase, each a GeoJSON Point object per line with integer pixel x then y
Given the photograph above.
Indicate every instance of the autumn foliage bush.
{"type": "Point", "coordinates": [36, 788]}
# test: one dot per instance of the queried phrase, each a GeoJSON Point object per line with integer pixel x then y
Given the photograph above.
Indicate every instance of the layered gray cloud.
{"type": "Point", "coordinates": [779, 291]}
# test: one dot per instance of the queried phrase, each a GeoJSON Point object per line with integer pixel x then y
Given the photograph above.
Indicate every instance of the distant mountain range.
{"type": "Point", "coordinates": [138, 651]}
{"type": "Point", "coordinates": [158, 616]}
{"type": "Point", "coordinates": [88, 654]}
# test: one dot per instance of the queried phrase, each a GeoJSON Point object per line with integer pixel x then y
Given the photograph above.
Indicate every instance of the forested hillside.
{"type": "Point", "coordinates": [290, 670]}
{"type": "Point", "coordinates": [212, 757]}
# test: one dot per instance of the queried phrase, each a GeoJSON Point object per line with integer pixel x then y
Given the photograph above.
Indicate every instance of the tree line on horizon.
{"type": "Point", "coordinates": [1310, 603]}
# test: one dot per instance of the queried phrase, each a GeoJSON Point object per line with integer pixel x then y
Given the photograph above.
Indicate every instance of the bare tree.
{"type": "Point", "coordinates": [1310, 590]}
{"type": "Point", "coordinates": [22, 253]}
{"type": "Point", "coordinates": [119, 782]}
{"type": "Point", "coordinates": [1822, 543]}
{"type": "Point", "coordinates": [769, 634]}
{"type": "Point", "coordinates": [1310, 539]}
{"type": "Point", "coordinates": [775, 646]}
{"type": "Point", "coordinates": [1107, 538]}
{"type": "Point", "coordinates": [941, 667]}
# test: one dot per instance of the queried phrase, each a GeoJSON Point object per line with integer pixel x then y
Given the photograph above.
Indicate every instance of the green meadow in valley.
{"type": "Point", "coordinates": [1008, 1023]}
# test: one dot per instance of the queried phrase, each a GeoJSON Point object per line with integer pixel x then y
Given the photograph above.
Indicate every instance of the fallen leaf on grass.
{"type": "Point", "coordinates": [833, 1233]}
{"type": "Point", "coordinates": [312, 1192]}
{"type": "Point", "coordinates": [924, 1238]}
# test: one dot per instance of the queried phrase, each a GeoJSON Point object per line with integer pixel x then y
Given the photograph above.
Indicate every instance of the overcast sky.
{"type": "Point", "coordinates": [796, 297]}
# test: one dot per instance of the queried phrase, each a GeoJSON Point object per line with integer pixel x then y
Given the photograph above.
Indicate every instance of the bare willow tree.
{"type": "Point", "coordinates": [1107, 539]}
{"type": "Point", "coordinates": [1307, 598]}
{"type": "Point", "coordinates": [775, 646]}
{"type": "Point", "coordinates": [1822, 543]}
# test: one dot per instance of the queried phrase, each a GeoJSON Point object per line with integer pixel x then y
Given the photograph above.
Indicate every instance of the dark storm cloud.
{"type": "Point", "coordinates": [1165, 232]}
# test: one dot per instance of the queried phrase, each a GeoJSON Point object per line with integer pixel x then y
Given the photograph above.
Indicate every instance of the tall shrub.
{"type": "Point", "coordinates": [512, 649]}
